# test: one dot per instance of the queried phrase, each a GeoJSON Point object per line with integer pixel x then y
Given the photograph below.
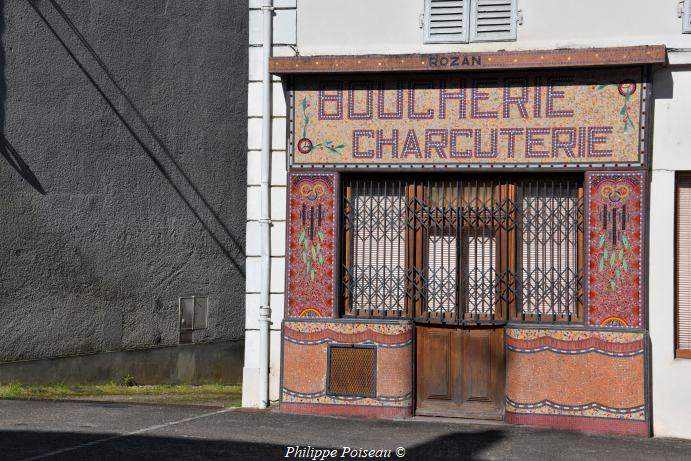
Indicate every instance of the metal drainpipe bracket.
{"type": "Point", "coordinates": [265, 314]}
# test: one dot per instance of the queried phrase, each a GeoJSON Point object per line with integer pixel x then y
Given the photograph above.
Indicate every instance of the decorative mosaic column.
{"type": "Point", "coordinates": [615, 230]}
{"type": "Point", "coordinates": [311, 244]}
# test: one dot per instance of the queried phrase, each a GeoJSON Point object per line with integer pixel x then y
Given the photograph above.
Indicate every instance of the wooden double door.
{"type": "Point", "coordinates": [460, 371]}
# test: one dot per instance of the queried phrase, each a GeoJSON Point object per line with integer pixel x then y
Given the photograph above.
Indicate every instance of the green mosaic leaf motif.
{"type": "Point", "coordinates": [614, 285]}
{"type": "Point", "coordinates": [302, 237]}
{"type": "Point", "coordinates": [304, 257]}
{"type": "Point", "coordinates": [611, 259]}
{"type": "Point", "coordinates": [321, 235]}
{"type": "Point", "coordinates": [625, 266]}
{"type": "Point", "coordinates": [625, 241]}
{"type": "Point", "coordinates": [602, 240]}
{"type": "Point", "coordinates": [606, 254]}
{"type": "Point", "coordinates": [617, 274]}
{"type": "Point", "coordinates": [602, 264]}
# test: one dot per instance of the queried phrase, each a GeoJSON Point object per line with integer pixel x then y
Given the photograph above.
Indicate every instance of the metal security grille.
{"type": "Point", "coordinates": [352, 371]}
{"type": "Point", "coordinates": [472, 249]}
{"type": "Point", "coordinates": [549, 229]}
{"type": "Point", "coordinates": [463, 259]}
{"type": "Point", "coordinates": [375, 279]}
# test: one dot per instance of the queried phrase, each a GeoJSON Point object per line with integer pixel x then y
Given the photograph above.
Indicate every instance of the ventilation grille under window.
{"type": "Point", "coordinates": [352, 371]}
{"type": "Point", "coordinates": [459, 21]}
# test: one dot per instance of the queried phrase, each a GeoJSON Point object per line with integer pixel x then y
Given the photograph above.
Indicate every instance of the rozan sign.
{"type": "Point", "coordinates": [576, 117]}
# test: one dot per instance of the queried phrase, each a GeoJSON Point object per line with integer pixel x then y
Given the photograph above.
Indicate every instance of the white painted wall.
{"type": "Point", "coordinates": [671, 152]}
{"type": "Point", "coordinates": [392, 26]}
{"type": "Point", "coordinates": [284, 39]}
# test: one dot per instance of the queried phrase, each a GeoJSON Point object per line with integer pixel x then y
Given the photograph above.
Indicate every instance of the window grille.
{"type": "Point", "coordinates": [375, 216]}
{"type": "Point", "coordinates": [683, 266]}
{"type": "Point", "coordinates": [461, 21]}
{"type": "Point", "coordinates": [467, 250]}
{"type": "Point", "coordinates": [549, 249]}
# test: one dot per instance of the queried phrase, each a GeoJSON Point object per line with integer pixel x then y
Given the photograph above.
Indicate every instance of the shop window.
{"type": "Point", "coordinates": [683, 267]}
{"type": "Point", "coordinates": [469, 250]}
{"type": "Point", "coordinates": [462, 21]}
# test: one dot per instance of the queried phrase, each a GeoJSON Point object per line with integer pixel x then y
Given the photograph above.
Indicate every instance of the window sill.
{"type": "Point", "coordinates": [682, 354]}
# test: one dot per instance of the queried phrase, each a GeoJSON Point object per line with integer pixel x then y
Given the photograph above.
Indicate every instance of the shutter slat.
{"type": "Point", "coordinates": [493, 20]}
{"type": "Point", "coordinates": [684, 263]}
{"type": "Point", "coordinates": [446, 21]}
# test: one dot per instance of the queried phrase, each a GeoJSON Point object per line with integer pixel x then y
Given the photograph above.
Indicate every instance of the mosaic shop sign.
{"type": "Point", "coordinates": [574, 117]}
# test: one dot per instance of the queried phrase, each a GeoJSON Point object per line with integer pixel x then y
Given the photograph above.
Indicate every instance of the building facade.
{"type": "Point", "coordinates": [123, 186]}
{"type": "Point", "coordinates": [478, 210]}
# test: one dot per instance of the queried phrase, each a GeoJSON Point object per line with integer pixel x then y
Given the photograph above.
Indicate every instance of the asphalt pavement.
{"type": "Point", "coordinates": [76, 431]}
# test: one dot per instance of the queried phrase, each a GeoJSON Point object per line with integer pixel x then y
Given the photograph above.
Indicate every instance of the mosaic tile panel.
{"type": "Point", "coordinates": [558, 117]}
{"type": "Point", "coordinates": [615, 249]}
{"type": "Point", "coordinates": [305, 368]}
{"type": "Point", "coordinates": [579, 375]}
{"type": "Point", "coordinates": [311, 244]}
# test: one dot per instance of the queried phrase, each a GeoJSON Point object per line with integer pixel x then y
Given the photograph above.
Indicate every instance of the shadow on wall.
{"type": "Point", "coordinates": [166, 164]}
{"type": "Point", "coordinates": [7, 150]}
{"type": "Point", "coordinates": [83, 446]}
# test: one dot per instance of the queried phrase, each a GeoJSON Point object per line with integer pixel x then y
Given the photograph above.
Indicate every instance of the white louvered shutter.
{"type": "Point", "coordinates": [446, 21]}
{"type": "Point", "coordinates": [686, 28]}
{"type": "Point", "coordinates": [493, 20]}
{"type": "Point", "coordinates": [684, 263]}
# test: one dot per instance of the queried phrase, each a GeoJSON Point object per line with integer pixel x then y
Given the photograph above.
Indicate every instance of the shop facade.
{"type": "Point", "coordinates": [468, 234]}
{"type": "Point", "coordinates": [471, 243]}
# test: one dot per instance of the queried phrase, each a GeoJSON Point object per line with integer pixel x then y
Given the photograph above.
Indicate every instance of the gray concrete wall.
{"type": "Point", "coordinates": [122, 174]}
{"type": "Point", "coordinates": [205, 363]}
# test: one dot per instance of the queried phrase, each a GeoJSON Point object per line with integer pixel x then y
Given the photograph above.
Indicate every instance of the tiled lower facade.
{"type": "Point", "coordinates": [561, 378]}
{"type": "Point", "coordinates": [578, 379]}
{"type": "Point", "coordinates": [305, 367]}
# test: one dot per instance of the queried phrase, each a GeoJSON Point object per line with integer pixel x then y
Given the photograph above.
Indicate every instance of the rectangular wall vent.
{"type": "Point", "coordinates": [193, 316]}
{"type": "Point", "coordinates": [352, 371]}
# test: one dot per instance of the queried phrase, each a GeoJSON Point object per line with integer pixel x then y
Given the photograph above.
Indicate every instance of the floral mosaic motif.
{"type": "Point", "coordinates": [312, 236]}
{"type": "Point", "coordinates": [305, 144]}
{"type": "Point", "coordinates": [613, 240]}
{"type": "Point", "coordinates": [615, 231]}
{"type": "Point", "coordinates": [593, 410]}
{"type": "Point", "coordinates": [626, 89]}
{"type": "Point", "coordinates": [403, 401]}
{"type": "Point", "coordinates": [310, 240]}
{"type": "Point", "coordinates": [394, 328]}
{"type": "Point", "coordinates": [573, 335]}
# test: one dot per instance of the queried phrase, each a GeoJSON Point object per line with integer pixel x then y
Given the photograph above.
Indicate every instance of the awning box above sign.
{"type": "Point", "coordinates": [573, 118]}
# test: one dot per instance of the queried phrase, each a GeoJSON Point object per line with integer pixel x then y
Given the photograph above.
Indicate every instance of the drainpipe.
{"type": "Point", "coordinates": [265, 212]}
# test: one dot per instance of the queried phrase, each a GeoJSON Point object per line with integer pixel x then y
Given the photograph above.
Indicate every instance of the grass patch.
{"type": "Point", "coordinates": [216, 394]}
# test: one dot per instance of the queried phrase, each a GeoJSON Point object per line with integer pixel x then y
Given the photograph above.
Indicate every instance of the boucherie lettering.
{"type": "Point", "coordinates": [574, 117]}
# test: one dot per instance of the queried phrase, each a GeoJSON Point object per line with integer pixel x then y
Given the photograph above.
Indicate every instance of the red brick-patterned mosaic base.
{"type": "Point", "coordinates": [576, 379]}
{"type": "Point", "coordinates": [615, 249]}
{"type": "Point", "coordinates": [605, 426]}
{"type": "Point", "coordinates": [348, 410]}
{"type": "Point", "coordinates": [311, 237]}
{"type": "Point", "coordinates": [305, 367]}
